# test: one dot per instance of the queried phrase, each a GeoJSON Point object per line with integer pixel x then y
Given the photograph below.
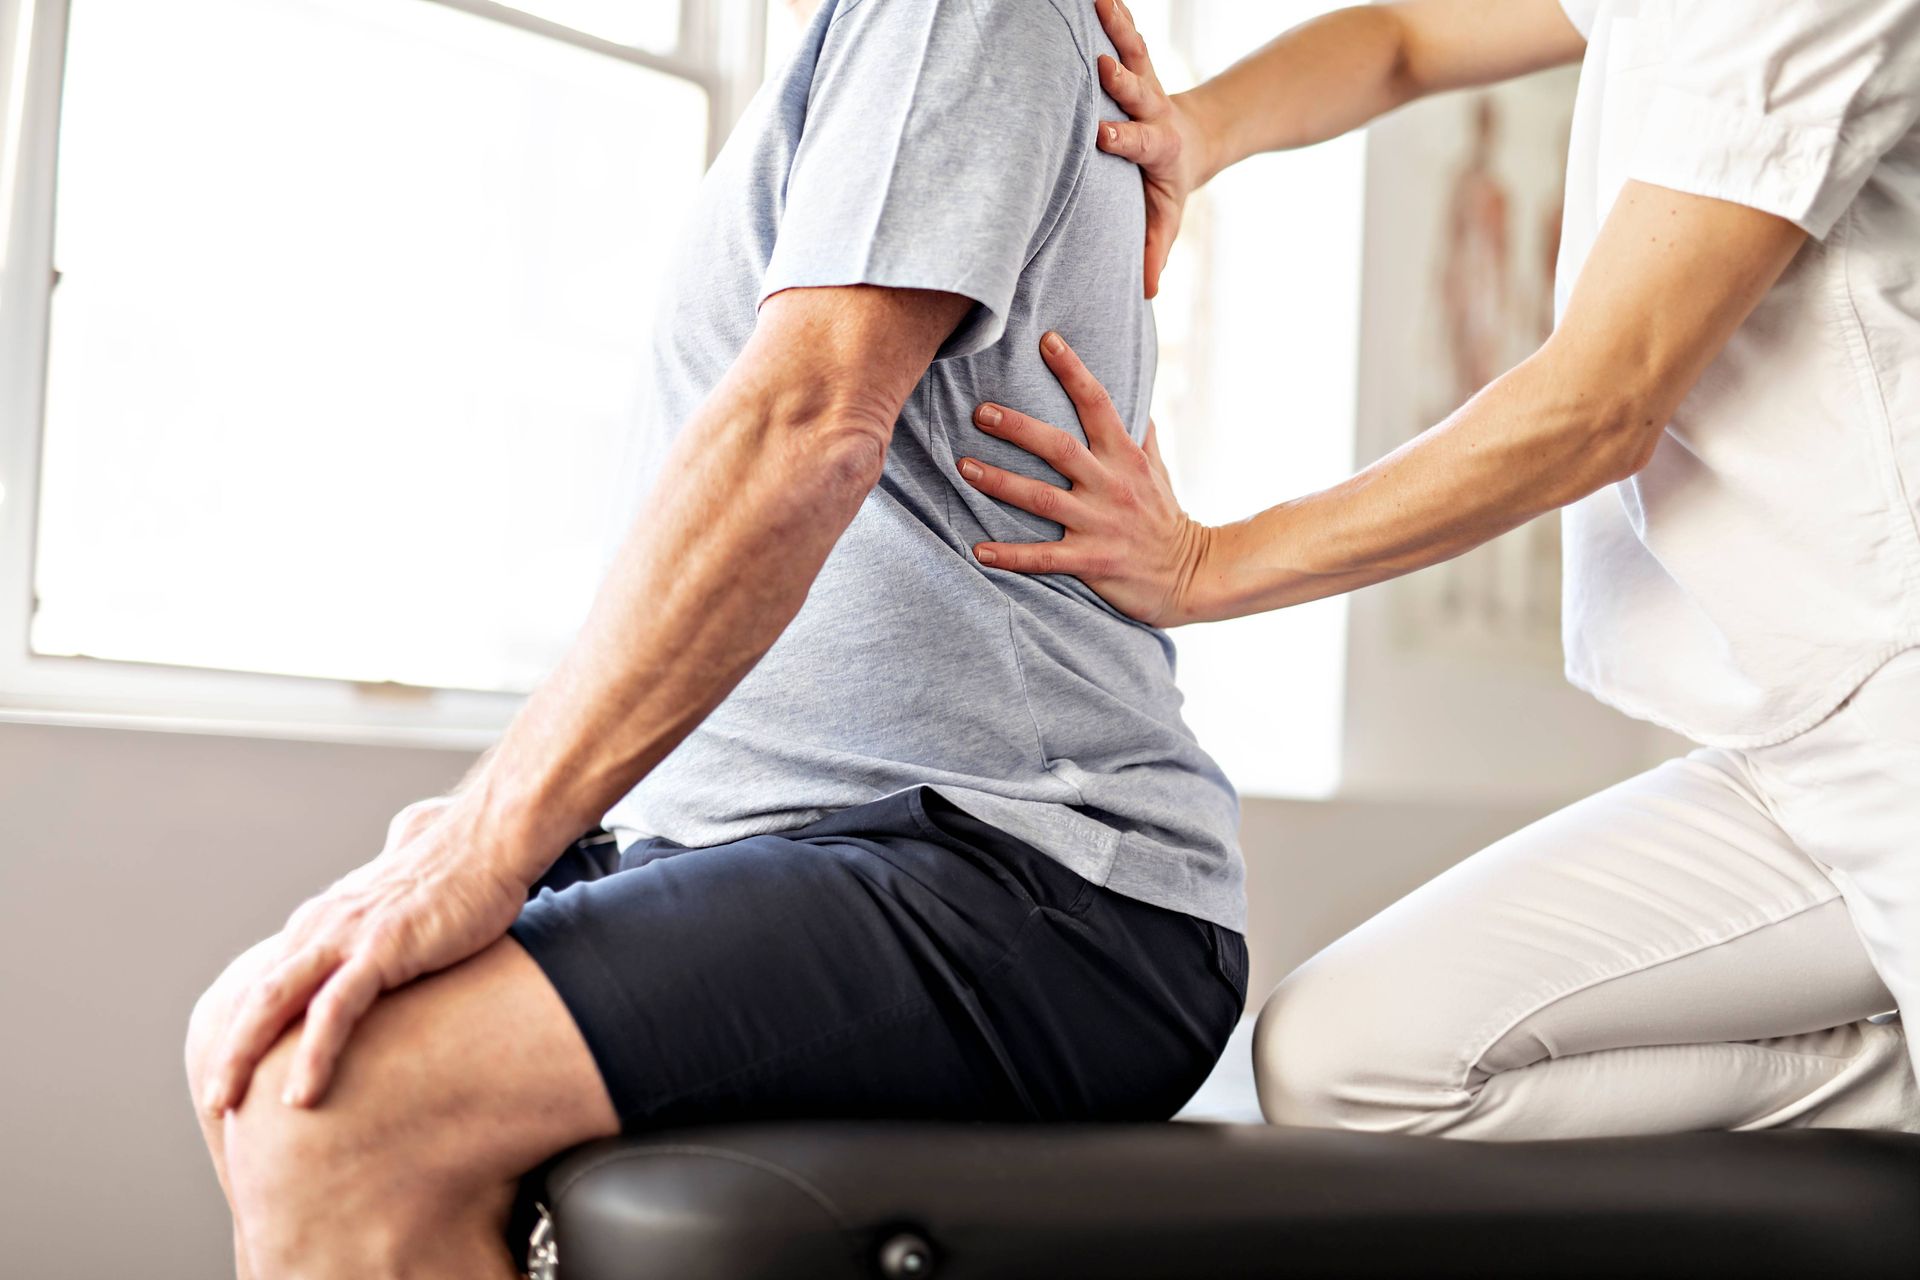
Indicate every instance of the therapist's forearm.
{"type": "Point", "coordinates": [1315, 82]}
{"type": "Point", "coordinates": [1669, 280]}
{"type": "Point", "coordinates": [1526, 445]}
{"type": "Point", "coordinates": [1343, 69]}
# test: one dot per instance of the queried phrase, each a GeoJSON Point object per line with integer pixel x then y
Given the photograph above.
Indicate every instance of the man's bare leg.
{"type": "Point", "coordinates": [209, 1015]}
{"type": "Point", "coordinates": [451, 1089]}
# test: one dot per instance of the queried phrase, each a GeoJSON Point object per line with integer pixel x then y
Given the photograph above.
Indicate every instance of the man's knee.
{"type": "Point", "coordinates": [325, 1191]}
{"type": "Point", "coordinates": [213, 1011]}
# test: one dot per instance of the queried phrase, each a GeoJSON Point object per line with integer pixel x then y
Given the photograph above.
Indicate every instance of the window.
{"type": "Point", "coordinates": [340, 280]}
{"type": "Point", "coordinates": [334, 283]}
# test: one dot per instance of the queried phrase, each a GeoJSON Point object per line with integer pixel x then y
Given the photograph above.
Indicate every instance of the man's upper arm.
{"type": "Point", "coordinates": [939, 141]}
{"type": "Point", "coordinates": [846, 356]}
{"type": "Point", "coordinates": [1670, 277]}
{"type": "Point", "coordinates": [1455, 44]}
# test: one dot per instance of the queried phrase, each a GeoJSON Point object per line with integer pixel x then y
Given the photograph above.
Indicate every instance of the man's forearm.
{"type": "Point", "coordinates": [1339, 71]}
{"type": "Point", "coordinates": [696, 595]}
{"type": "Point", "coordinates": [761, 485]}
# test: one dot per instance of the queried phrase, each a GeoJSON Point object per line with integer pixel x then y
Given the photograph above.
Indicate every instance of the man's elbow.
{"type": "Point", "coordinates": [851, 457]}
{"type": "Point", "coordinates": [836, 441]}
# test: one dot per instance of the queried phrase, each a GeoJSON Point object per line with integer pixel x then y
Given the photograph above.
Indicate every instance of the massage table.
{"type": "Point", "coordinates": [1212, 1197]}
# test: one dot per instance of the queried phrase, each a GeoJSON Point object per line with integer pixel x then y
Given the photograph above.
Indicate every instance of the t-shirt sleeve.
{"type": "Point", "coordinates": [1781, 105]}
{"type": "Point", "coordinates": [1580, 14]}
{"type": "Point", "coordinates": [941, 139]}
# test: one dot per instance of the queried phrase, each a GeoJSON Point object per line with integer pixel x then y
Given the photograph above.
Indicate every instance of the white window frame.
{"type": "Point", "coordinates": [722, 50]}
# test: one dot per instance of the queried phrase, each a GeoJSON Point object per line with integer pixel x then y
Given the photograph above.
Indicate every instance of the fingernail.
{"type": "Point", "coordinates": [1113, 134]}
{"type": "Point", "coordinates": [988, 416]}
{"type": "Point", "coordinates": [290, 1096]}
{"type": "Point", "coordinates": [970, 469]}
{"type": "Point", "coordinates": [1054, 344]}
{"type": "Point", "coordinates": [986, 556]}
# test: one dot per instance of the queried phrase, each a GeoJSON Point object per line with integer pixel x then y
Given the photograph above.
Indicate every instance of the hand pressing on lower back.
{"type": "Point", "coordinates": [1125, 534]}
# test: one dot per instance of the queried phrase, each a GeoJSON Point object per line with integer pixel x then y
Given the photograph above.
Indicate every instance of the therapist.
{"type": "Point", "coordinates": [1729, 411]}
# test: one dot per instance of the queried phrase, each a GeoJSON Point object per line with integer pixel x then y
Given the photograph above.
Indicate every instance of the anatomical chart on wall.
{"type": "Point", "coordinates": [1480, 231]}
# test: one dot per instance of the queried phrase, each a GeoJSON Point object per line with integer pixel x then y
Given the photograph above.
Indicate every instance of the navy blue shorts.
{"type": "Point", "coordinates": [901, 959]}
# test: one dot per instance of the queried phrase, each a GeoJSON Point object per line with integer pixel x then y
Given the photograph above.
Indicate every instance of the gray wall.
{"type": "Point", "coordinates": [133, 865]}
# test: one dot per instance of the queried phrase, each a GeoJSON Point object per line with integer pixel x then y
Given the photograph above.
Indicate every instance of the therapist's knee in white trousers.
{"type": "Point", "coordinates": [1711, 945]}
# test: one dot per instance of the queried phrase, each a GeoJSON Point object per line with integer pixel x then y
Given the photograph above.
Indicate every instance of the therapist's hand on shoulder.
{"type": "Point", "coordinates": [431, 899]}
{"type": "Point", "coordinates": [1164, 136]}
{"type": "Point", "coordinates": [1126, 535]}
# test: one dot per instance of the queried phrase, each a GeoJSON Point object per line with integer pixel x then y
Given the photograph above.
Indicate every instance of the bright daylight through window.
{"type": "Point", "coordinates": [353, 298]}
{"type": "Point", "coordinates": [350, 298]}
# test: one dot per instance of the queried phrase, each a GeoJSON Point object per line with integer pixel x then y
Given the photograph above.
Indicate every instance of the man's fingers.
{"type": "Point", "coordinates": [1048, 443]}
{"type": "Point", "coordinates": [275, 1000]}
{"type": "Point", "coordinates": [1048, 501]}
{"type": "Point", "coordinates": [1098, 418]}
{"type": "Point", "coordinates": [331, 1018]}
{"type": "Point", "coordinates": [1028, 557]}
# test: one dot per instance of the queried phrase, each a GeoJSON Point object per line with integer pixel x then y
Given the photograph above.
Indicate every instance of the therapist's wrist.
{"type": "Point", "coordinates": [1205, 134]}
{"type": "Point", "coordinates": [1197, 594]}
{"type": "Point", "coordinates": [1253, 566]}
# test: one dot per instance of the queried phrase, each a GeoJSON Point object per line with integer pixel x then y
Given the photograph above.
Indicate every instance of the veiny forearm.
{"type": "Point", "coordinates": [703, 585]}
{"type": "Point", "coordinates": [760, 486]}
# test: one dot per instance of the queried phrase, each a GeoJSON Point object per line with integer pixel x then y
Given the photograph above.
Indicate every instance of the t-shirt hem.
{"type": "Point", "coordinates": [1099, 854]}
{"type": "Point", "coordinates": [1810, 714]}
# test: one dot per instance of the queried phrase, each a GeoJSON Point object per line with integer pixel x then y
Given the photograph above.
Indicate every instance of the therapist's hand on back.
{"type": "Point", "coordinates": [1164, 137]}
{"type": "Point", "coordinates": [1125, 535]}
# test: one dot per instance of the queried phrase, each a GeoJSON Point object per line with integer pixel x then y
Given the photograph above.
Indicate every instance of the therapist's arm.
{"type": "Point", "coordinates": [1669, 279]}
{"type": "Point", "coordinates": [763, 481]}
{"type": "Point", "coordinates": [1315, 82]}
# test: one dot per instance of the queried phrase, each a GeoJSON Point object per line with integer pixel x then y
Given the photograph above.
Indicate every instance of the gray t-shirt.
{"type": "Point", "coordinates": [947, 145]}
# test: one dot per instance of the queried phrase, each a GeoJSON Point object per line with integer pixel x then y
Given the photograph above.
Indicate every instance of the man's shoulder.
{"type": "Point", "coordinates": [1015, 31]}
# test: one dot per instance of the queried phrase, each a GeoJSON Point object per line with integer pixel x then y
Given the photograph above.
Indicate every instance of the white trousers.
{"type": "Point", "coordinates": [1705, 946]}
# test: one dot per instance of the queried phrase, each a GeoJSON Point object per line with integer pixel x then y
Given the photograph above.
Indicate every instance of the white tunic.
{"type": "Point", "coordinates": [1767, 560]}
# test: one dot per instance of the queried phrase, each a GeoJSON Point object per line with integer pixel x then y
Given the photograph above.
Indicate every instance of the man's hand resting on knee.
{"type": "Point", "coordinates": [428, 901]}
{"type": "Point", "coordinates": [761, 484]}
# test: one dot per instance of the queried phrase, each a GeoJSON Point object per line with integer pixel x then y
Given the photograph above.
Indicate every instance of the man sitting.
{"type": "Point", "coordinates": [901, 835]}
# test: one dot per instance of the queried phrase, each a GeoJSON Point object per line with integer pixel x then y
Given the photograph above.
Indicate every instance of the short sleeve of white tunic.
{"type": "Point", "coordinates": [1768, 559]}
